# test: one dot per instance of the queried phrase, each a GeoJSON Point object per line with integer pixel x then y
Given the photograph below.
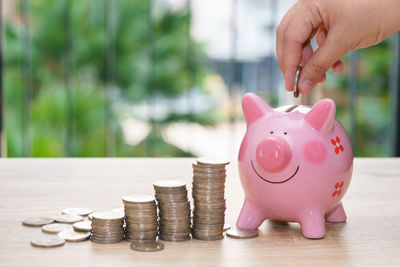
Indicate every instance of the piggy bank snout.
{"type": "Point", "coordinates": [273, 154]}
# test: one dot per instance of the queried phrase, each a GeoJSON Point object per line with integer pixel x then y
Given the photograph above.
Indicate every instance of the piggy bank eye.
{"type": "Point", "coordinates": [285, 133]}
{"type": "Point", "coordinates": [271, 132]}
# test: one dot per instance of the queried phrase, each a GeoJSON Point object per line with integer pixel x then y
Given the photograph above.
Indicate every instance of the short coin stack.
{"type": "Point", "coordinates": [174, 207]}
{"type": "Point", "coordinates": [107, 227]}
{"type": "Point", "coordinates": [208, 193]}
{"type": "Point", "coordinates": [140, 217]}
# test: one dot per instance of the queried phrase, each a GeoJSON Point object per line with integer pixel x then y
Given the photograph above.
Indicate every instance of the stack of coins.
{"type": "Point", "coordinates": [107, 227]}
{"type": "Point", "coordinates": [208, 193]}
{"type": "Point", "coordinates": [174, 207]}
{"type": "Point", "coordinates": [140, 217]}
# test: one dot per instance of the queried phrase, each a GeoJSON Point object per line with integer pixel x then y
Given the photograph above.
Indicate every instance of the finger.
{"type": "Point", "coordinates": [320, 38]}
{"type": "Point", "coordinates": [306, 53]}
{"type": "Point", "coordinates": [280, 30]}
{"type": "Point", "coordinates": [323, 79]}
{"type": "Point", "coordinates": [299, 32]}
{"type": "Point", "coordinates": [337, 67]}
{"type": "Point", "coordinates": [322, 59]}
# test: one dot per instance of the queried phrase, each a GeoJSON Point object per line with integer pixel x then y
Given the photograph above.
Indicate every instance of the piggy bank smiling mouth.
{"type": "Point", "coordinates": [272, 182]}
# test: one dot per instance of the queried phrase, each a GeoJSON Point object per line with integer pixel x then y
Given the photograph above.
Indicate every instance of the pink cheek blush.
{"type": "Point", "coordinates": [315, 151]}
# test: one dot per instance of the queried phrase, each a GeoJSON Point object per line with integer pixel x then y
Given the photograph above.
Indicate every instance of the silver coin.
{"type": "Point", "coordinates": [47, 242]}
{"type": "Point", "coordinates": [73, 236]}
{"type": "Point", "coordinates": [296, 91]}
{"type": "Point", "coordinates": [227, 227]}
{"type": "Point", "coordinates": [107, 215]}
{"type": "Point", "coordinates": [84, 226]}
{"type": "Point", "coordinates": [212, 161]}
{"type": "Point", "coordinates": [66, 218]}
{"type": "Point", "coordinates": [242, 233]}
{"type": "Point", "coordinates": [169, 184]}
{"type": "Point", "coordinates": [77, 211]}
{"type": "Point", "coordinates": [140, 198]}
{"type": "Point", "coordinates": [147, 246]}
{"type": "Point", "coordinates": [37, 221]}
{"type": "Point", "coordinates": [55, 228]}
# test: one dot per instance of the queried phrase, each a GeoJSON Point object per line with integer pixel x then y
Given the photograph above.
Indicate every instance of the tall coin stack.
{"type": "Point", "coordinates": [174, 210]}
{"type": "Point", "coordinates": [107, 227]}
{"type": "Point", "coordinates": [140, 217]}
{"type": "Point", "coordinates": [208, 193]}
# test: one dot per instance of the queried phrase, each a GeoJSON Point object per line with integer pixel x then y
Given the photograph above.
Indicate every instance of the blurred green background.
{"type": "Point", "coordinates": [75, 71]}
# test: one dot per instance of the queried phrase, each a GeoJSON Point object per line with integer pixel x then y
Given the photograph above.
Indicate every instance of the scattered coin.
{"type": "Point", "coordinates": [296, 91]}
{"type": "Point", "coordinates": [77, 211]}
{"type": "Point", "coordinates": [37, 221]}
{"type": "Point", "coordinates": [84, 226]}
{"type": "Point", "coordinates": [73, 236]}
{"type": "Point", "coordinates": [47, 242]}
{"type": "Point", "coordinates": [147, 246]}
{"type": "Point", "coordinates": [227, 227]}
{"type": "Point", "coordinates": [66, 218]}
{"type": "Point", "coordinates": [174, 210]}
{"type": "Point", "coordinates": [242, 233]}
{"type": "Point", "coordinates": [55, 228]}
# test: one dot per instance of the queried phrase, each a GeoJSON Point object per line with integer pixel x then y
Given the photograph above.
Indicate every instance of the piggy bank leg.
{"type": "Point", "coordinates": [250, 216]}
{"type": "Point", "coordinates": [312, 224]}
{"type": "Point", "coordinates": [337, 215]}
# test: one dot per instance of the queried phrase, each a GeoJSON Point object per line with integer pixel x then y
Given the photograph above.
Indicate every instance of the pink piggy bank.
{"type": "Point", "coordinates": [295, 164]}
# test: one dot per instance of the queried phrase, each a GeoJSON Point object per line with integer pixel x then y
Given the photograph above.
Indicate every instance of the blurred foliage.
{"type": "Point", "coordinates": [150, 56]}
{"type": "Point", "coordinates": [372, 105]}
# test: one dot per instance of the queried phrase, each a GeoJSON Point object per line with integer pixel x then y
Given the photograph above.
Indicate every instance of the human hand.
{"type": "Point", "coordinates": [338, 26]}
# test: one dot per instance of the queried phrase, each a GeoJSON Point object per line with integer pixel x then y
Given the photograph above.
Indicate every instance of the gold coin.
{"type": "Point", "coordinates": [73, 236]}
{"type": "Point", "coordinates": [147, 246]}
{"type": "Point", "coordinates": [139, 198]}
{"type": "Point", "coordinates": [37, 221]}
{"type": "Point", "coordinates": [84, 226]}
{"type": "Point", "coordinates": [66, 218]}
{"type": "Point", "coordinates": [212, 161]}
{"type": "Point", "coordinates": [107, 215]}
{"type": "Point", "coordinates": [77, 211]}
{"type": "Point", "coordinates": [242, 233]}
{"type": "Point", "coordinates": [47, 242]}
{"type": "Point", "coordinates": [55, 228]}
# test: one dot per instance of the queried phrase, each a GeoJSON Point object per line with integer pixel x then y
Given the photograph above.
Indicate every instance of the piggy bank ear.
{"type": "Point", "coordinates": [254, 107]}
{"type": "Point", "coordinates": [322, 115]}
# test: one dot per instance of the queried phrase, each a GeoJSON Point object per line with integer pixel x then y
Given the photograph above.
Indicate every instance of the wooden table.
{"type": "Point", "coordinates": [33, 187]}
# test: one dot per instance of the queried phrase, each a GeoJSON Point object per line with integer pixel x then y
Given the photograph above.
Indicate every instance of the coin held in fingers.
{"type": "Point", "coordinates": [296, 92]}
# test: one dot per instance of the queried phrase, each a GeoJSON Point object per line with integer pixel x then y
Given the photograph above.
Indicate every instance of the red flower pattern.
{"type": "Point", "coordinates": [338, 146]}
{"type": "Point", "coordinates": [338, 189]}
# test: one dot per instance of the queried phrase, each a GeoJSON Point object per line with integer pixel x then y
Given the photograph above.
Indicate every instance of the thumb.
{"type": "Point", "coordinates": [320, 62]}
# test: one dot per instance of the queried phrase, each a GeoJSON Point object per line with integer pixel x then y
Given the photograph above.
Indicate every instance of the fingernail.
{"type": "Point", "coordinates": [307, 85]}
